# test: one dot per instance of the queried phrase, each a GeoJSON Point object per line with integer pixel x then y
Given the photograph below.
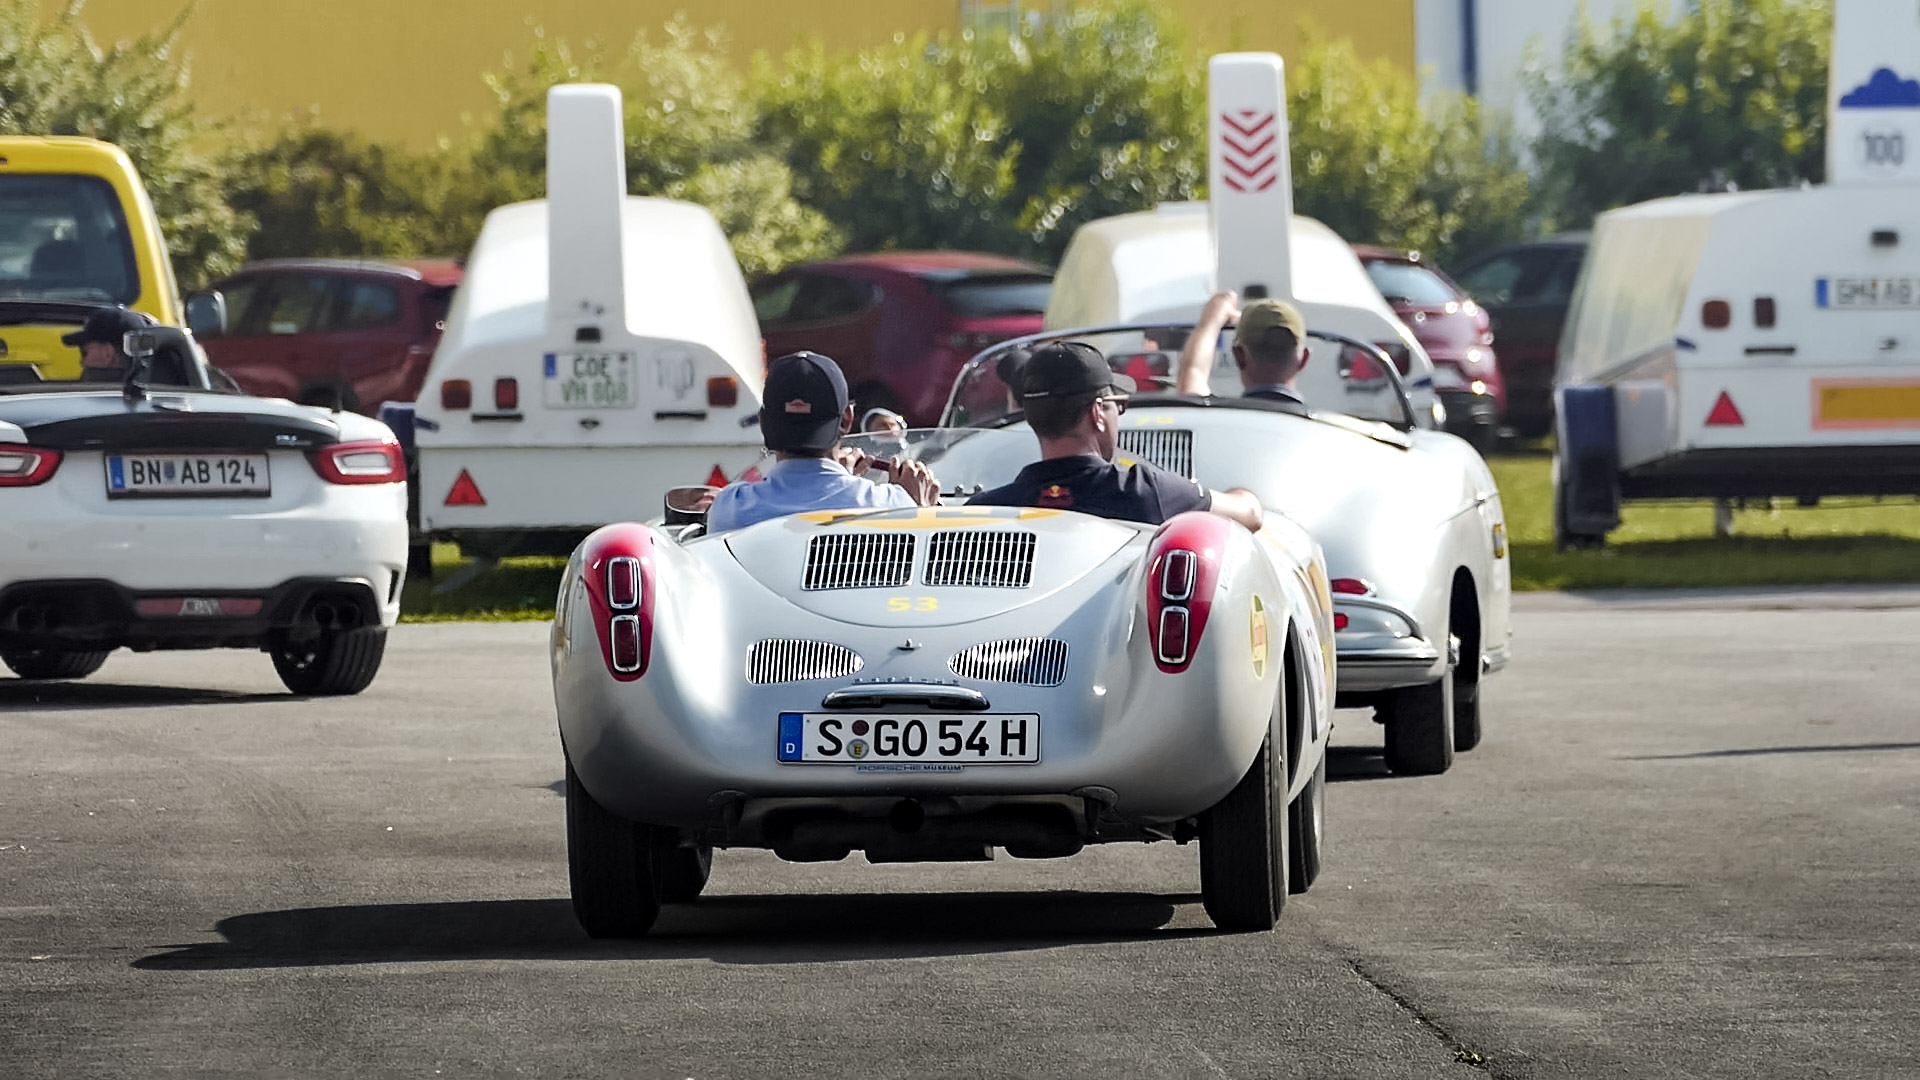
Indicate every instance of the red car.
{"type": "Point", "coordinates": [902, 323]}
{"type": "Point", "coordinates": [327, 331]}
{"type": "Point", "coordinates": [1456, 332]}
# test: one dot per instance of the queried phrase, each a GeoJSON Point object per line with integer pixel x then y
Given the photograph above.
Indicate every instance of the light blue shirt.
{"type": "Point", "coordinates": [796, 486]}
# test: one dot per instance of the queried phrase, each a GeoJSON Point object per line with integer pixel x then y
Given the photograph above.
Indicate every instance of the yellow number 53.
{"type": "Point", "coordinates": [913, 603]}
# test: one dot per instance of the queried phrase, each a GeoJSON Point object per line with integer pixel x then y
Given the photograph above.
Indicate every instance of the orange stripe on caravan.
{"type": "Point", "coordinates": [1866, 404]}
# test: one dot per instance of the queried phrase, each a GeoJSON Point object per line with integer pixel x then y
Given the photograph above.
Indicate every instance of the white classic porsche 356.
{"type": "Point", "coordinates": [932, 684]}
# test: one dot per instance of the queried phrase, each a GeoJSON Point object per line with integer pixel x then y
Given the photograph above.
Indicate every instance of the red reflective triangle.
{"type": "Point", "coordinates": [717, 478]}
{"type": "Point", "coordinates": [465, 492]}
{"type": "Point", "coordinates": [1724, 414]}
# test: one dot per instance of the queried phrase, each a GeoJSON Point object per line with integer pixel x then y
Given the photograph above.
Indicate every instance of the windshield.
{"type": "Point", "coordinates": [966, 460]}
{"type": "Point", "coordinates": [1405, 283]}
{"type": "Point", "coordinates": [64, 238]}
{"type": "Point", "coordinates": [987, 297]}
{"type": "Point", "coordinates": [1338, 378]}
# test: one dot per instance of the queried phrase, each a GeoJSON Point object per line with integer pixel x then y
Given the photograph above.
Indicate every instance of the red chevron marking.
{"type": "Point", "coordinates": [1248, 151]}
{"type": "Point", "coordinates": [1249, 130]}
{"type": "Point", "coordinates": [1249, 169]}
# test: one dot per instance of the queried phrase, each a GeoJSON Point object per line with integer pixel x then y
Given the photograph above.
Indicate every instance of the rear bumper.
{"type": "Point", "coordinates": [82, 613]}
{"type": "Point", "coordinates": [1789, 471]}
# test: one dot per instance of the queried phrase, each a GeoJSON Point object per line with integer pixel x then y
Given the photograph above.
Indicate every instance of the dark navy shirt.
{"type": "Point", "coordinates": [1089, 485]}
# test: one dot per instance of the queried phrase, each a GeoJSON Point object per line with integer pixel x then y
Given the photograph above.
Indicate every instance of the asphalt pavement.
{"type": "Point", "coordinates": [1689, 847]}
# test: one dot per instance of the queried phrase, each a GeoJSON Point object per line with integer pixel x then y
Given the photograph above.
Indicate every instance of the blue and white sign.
{"type": "Point", "coordinates": [1874, 93]}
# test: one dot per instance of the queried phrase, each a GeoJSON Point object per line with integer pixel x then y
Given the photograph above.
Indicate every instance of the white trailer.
{"type": "Point", "coordinates": [601, 349]}
{"type": "Point", "coordinates": [1757, 344]}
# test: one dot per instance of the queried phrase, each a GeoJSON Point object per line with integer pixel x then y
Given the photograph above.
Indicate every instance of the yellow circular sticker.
{"type": "Point", "coordinates": [1257, 629]}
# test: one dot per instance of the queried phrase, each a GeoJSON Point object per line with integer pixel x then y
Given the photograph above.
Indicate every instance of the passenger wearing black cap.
{"type": "Point", "coordinates": [1073, 401]}
{"type": "Point", "coordinates": [102, 358]}
{"type": "Point", "coordinates": [804, 412]}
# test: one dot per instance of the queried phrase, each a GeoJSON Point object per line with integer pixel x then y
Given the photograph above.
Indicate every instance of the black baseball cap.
{"type": "Point", "coordinates": [108, 325]}
{"type": "Point", "coordinates": [1066, 369]}
{"type": "Point", "coordinates": [805, 397]}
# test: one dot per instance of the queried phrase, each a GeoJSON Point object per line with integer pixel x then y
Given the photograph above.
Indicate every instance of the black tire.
{"type": "Point", "coordinates": [1419, 727]}
{"type": "Point", "coordinates": [333, 663]}
{"type": "Point", "coordinates": [1307, 831]}
{"type": "Point", "coordinates": [611, 867]}
{"type": "Point", "coordinates": [684, 872]}
{"type": "Point", "coordinates": [1243, 848]}
{"type": "Point", "coordinates": [54, 663]}
{"type": "Point", "coordinates": [420, 560]}
{"type": "Point", "coordinates": [1466, 699]}
{"type": "Point", "coordinates": [1563, 539]}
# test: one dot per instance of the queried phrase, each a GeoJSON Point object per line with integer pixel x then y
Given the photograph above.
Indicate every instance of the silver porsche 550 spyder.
{"type": "Point", "coordinates": [932, 684]}
{"type": "Point", "coordinates": [1409, 518]}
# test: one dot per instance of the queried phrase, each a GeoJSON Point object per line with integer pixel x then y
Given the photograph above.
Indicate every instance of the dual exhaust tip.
{"type": "Point", "coordinates": [336, 616]}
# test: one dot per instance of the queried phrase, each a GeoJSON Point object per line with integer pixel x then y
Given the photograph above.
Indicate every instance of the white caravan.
{"type": "Point", "coordinates": [1758, 344]}
{"type": "Point", "coordinates": [601, 349]}
{"type": "Point", "coordinates": [1163, 264]}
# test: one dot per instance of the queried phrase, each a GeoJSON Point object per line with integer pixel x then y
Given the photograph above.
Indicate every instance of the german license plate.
{"type": "Point", "coordinates": [187, 475]}
{"type": "Point", "coordinates": [859, 738]}
{"type": "Point", "coordinates": [1868, 293]}
{"type": "Point", "coordinates": [589, 380]}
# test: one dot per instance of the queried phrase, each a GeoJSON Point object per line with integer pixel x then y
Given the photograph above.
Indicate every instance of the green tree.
{"type": "Point", "coordinates": [1732, 91]}
{"type": "Point", "coordinates": [54, 80]}
{"type": "Point", "coordinates": [320, 192]}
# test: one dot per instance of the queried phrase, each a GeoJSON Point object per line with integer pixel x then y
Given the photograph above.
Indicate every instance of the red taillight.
{"type": "Point", "coordinates": [1339, 620]}
{"type": "Point", "coordinates": [1716, 314]}
{"type": "Point", "coordinates": [618, 573]}
{"type": "Point", "coordinates": [26, 466]}
{"type": "Point", "coordinates": [456, 394]}
{"type": "Point", "coordinates": [361, 463]}
{"type": "Point", "coordinates": [1182, 569]}
{"type": "Point", "coordinates": [1763, 312]}
{"type": "Point", "coordinates": [506, 395]}
{"type": "Point", "coordinates": [723, 392]}
{"type": "Point", "coordinates": [1352, 586]}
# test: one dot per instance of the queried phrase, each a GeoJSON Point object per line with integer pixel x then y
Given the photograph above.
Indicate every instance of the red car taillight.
{"type": "Point", "coordinates": [1183, 567]}
{"type": "Point", "coordinates": [456, 394]}
{"type": "Point", "coordinates": [506, 394]}
{"type": "Point", "coordinates": [618, 571]}
{"type": "Point", "coordinates": [723, 392]}
{"type": "Point", "coordinates": [26, 466]}
{"type": "Point", "coordinates": [361, 463]}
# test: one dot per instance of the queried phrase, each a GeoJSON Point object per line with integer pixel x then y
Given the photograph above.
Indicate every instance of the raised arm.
{"type": "Point", "coordinates": [1196, 360]}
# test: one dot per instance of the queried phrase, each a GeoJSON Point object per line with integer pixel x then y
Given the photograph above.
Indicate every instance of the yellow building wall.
{"type": "Point", "coordinates": [411, 69]}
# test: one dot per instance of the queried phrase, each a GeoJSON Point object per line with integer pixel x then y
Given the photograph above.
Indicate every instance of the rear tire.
{"type": "Point", "coordinates": [1466, 698]}
{"type": "Point", "coordinates": [54, 663]}
{"type": "Point", "coordinates": [611, 867]}
{"type": "Point", "coordinates": [1243, 848]}
{"type": "Point", "coordinates": [1419, 727]}
{"type": "Point", "coordinates": [334, 663]}
{"type": "Point", "coordinates": [1306, 831]}
{"type": "Point", "coordinates": [684, 872]}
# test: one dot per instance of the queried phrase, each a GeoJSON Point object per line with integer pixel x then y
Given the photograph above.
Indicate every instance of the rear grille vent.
{"type": "Point", "coordinates": [1033, 661]}
{"type": "Point", "coordinates": [1169, 448]}
{"type": "Point", "coordinates": [1001, 560]}
{"type": "Point", "coordinates": [858, 560]}
{"type": "Point", "coordinates": [777, 660]}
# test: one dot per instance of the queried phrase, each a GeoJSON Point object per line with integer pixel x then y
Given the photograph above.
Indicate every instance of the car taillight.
{"type": "Point", "coordinates": [1716, 314]}
{"type": "Point", "coordinates": [26, 466]}
{"type": "Point", "coordinates": [1352, 586]}
{"type": "Point", "coordinates": [1764, 313]}
{"type": "Point", "coordinates": [361, 463]}
{"type": "Point", "coordinates": [618, 571]}
{"type": "Point", "coordinates": [506, 395]}
{"type": "Point", "coordinates": [456, 394]}
{"type": "Point", "coordinates": [723, 392]}
{"type": "Point", "coordinates": [1183, 566]}
{"type": "Point", "coordinates": [1339, 620]}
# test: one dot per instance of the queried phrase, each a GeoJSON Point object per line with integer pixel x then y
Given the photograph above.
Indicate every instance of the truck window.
{"type": "Point", "coordinates": [298, 305]}
{"type": "Point", "coordinates": [366, 305]}
{"type": "Point", "coordinates": [986, 296]}
{"type": "Point", "coordinates": [65, 237]}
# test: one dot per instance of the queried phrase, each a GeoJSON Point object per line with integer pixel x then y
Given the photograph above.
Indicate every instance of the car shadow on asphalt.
{"type": "Point", "coordinates": [794, 929]}
{"type": "Point", "coordinates": [20, 695]}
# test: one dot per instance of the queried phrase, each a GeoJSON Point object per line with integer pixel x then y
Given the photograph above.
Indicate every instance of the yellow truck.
{"type": "Point", "coordinates": [76, 233]}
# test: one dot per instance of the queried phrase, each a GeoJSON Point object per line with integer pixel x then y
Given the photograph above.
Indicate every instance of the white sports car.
{"type": "Point", "coordinates": [932, 684]}
{"type": "Point", "coordinates": [163, 514]}
{"type": "Point", "coordinates": [1409, 518]}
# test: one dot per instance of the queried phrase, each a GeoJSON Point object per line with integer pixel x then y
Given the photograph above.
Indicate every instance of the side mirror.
{"type": "Point", "coordinates": [688, 505]}
{"type": "Point", "coordinates": [207, 314]}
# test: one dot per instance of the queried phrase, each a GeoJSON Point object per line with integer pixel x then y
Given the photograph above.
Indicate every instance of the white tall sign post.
{"type": "Point", "coordinates": [1249, 179]}
{"type": "Point", "coordinates": [586, 191]}
{"type": "Point", "coordinates": [1873, 93]}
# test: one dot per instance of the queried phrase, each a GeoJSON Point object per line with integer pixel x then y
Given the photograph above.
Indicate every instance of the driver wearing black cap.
{"type": "Point", "coordinates": [1073, 401]}
{"type": "Point", "coordinates": [805, 412]}
{"type": "Point", "coordinates": [100, 338]}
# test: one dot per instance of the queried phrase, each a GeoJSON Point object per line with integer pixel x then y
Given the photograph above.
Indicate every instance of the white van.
{"type": "Point", "coordinates": [1159, 265]}
{"type": "Point", "coordinates": [601, 349]}
{"type": "Point", "coordinates": [1756, 344]}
